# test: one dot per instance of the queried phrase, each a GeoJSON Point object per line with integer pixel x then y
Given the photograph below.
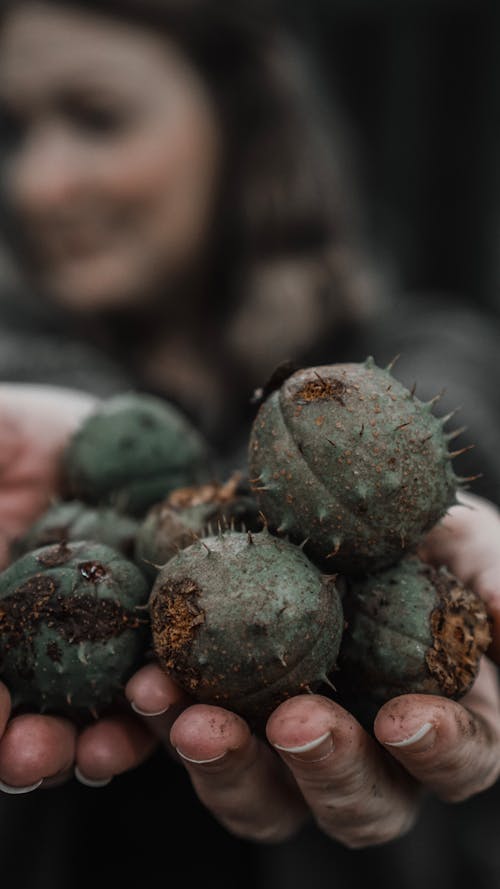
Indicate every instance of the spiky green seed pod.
{"type": "Point", "coordinates": [131, 452]}
{"type": "Point", "coordinates": [411, 629]}
{"type": "Point", "coordinates": [347, 457]}
{"type": "Point", "coordinates": [75, 520]}
{"type": "Point", "coordinates": [191, 513]}
{"type": "Point", "coordinates": [245, 621]}
{"type": "Point", "coordinates": [72, 626]}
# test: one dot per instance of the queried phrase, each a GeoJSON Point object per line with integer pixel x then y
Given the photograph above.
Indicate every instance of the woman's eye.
{"type": "Point", "coordinates": [96, 121]}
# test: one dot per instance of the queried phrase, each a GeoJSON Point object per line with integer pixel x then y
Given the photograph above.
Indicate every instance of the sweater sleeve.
{"type": "Point", "coordinates": [36, 347]}
{"type": "Point", "coordinates": [455, 351]}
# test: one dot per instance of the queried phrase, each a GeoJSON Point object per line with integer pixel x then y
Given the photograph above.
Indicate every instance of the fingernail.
{"type": "Point", "coordinates": [89, 782]}
{"type": "Point", "coordinates": [149, 713]}
{"type": "Point", "coordinates": [199, 762]}
{"type": "Point", "coordinates": [423, 737]}
{"type": "Point", "coordinates": [314, 751]}
{"type": "Point", "coordinates": [13, 791]}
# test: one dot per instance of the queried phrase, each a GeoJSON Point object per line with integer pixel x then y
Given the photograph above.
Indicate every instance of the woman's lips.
{"type": "Point", "coordinates": [66, 243]}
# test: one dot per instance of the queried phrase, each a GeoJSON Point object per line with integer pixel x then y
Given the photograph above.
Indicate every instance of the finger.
{"type": "Point", "coordinates": [111, 746]}
{"type": "Point", "coordinates": [486, 584]}
{"type": "Point", "coordinates": [5, 707]}
{"type": "Point", "coordinates": [35, 747]}
{"type": "Point", "coordinates": [451, 750]}
{"type": "Point", "coordinates": [467, 541]}
{"type": "Point", "coordinates": [237, 776]}
{"type": "Point", "coordinates": [156, 698]}
{"type": "Point", "coordinates": [354, 793]}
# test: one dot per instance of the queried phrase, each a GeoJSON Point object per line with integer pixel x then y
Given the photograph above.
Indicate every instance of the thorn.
{"type": "Point", "coordinates": [327, 681]}
{"type": "Point", "coordinates": [334, 551]}
{"type": "Point", "coordinates": [453, 454]}
{"type": "Point", "coordinates": [308, 689]}
{"type": "Point", "coordinates": [304, 542]}
{"type": "Point", "coordinates": [444, 420]}
{"type": "Point", "coordinates": [232, 526]}
{"type": "Point", "coordinates": [393, 362]}
{"type": "Point", "coordinates": [361, 431]}
{"type": "Point", "coordinates": [263, 519]}
{"type": "Point", "coordinates": [469, 478]}
{"type": "Point", "coordinates": [209, 551]}
{"type": "Point", "coordinates": [331, 442]}
{"type": "Point", "coordinates": [370, 362]}
{"type": "Point", "coordinates": [322, 381]}
{"type": "Point", "coordinates": [427, 438]}
{"type": "Point", "coordinates": [413, 390]}
{"type": "Point", "coordinates": [402, 426]}
{"type": "Point", "coordinates": [250, 538]}
{"type": "Point", "coordinates": [93, 712]}
{"type": "Point", "coordinates": [219, 529]}
{"type": "Point", "coordinates": [210, 528]}
{"type": "Point", "coordinates": [264, 488]}
{"type": "Point", "coordinates": [452, 435]}
{"type": "Point", "coordinates": [436, 399]}
{"type": "Point", "coordinates": [153, 564]}
{"type": "Point", "coordinates": [69, 699]}
{"type": "Point", "coordinates": [282, 661]}
{"type": "Point", "coordinates": [255, 481]}
{"type": "Point", "coordinates": [403, 541]}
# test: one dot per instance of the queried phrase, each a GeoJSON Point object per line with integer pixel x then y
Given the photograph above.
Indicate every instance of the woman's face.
{"type": "Point", "coordinates": [112, 155]}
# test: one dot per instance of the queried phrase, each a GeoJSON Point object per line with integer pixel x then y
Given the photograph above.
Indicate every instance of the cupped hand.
{"type": "Point", "coordinates": [318, 761]}
{"type": "Point", "coordinates": [35, 424]}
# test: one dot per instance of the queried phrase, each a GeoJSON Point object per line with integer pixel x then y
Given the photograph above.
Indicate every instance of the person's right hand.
{"type": "Point", "coordinates": [35, 424]}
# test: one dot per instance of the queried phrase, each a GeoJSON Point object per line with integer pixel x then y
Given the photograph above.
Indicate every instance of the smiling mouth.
{"type": "Point", "coordinates": [61, 244]}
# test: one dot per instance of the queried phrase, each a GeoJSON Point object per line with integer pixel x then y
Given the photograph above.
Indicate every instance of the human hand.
{"type": "Point", "coordinates": [361, 790]}
{"type": "Point", "coordinates": [35, 424]}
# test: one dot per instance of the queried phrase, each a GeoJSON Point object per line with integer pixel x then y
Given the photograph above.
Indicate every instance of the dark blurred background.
{"type": "Point", "coordinates": [419, 84]}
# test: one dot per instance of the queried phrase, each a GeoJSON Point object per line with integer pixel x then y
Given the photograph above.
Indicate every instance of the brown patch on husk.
{"type": "Point", "coordinates": [175, 616]}
{"type": "Point", "coordinates": [461, 634]}
{"type": "Point", "coordinates": [200, 495]}
{"type": "Point", "coordinates": [322, 390]}
{"type": "Point", "coordinates": [56, 555]}
{"type": "Point", "coordinates": [75, 618]}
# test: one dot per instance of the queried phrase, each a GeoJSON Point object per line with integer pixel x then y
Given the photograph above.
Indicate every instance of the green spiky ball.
{"type": "Point", "coordinates": [131, 452]}
{"type": "Point", "coordinates": [347, 457]}
{"type": "Point", "coordinates": [411, 629]}
{"type": "Point", "coordinates": [72, 630]}
{"type": "Point", "coordinates": [188, 513]}
{"type": "Point", "coordinates": [245, 621]}
{"type": "Point", "coordinates": [75, 520]}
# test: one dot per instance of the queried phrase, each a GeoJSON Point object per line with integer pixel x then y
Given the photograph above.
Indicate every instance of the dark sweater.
{"type": "Point", "coordinates": [131, 833]}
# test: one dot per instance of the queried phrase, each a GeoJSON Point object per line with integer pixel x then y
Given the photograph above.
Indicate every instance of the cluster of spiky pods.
{"type": "Point", "coordinates": [349, 461]}
{"type": "Point", "coordinates": [305, 579]}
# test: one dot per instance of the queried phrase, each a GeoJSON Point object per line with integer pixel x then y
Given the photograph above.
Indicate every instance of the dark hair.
{"type": "Point", "coordinates": [283, 204]}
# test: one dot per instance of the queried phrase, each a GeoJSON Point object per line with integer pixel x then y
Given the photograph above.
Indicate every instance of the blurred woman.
{"type": "Point", "coordinates": [178, 218]}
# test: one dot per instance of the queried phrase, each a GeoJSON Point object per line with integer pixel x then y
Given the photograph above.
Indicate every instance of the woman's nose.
{"type": "Point", "coordinates": [45, 174]}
